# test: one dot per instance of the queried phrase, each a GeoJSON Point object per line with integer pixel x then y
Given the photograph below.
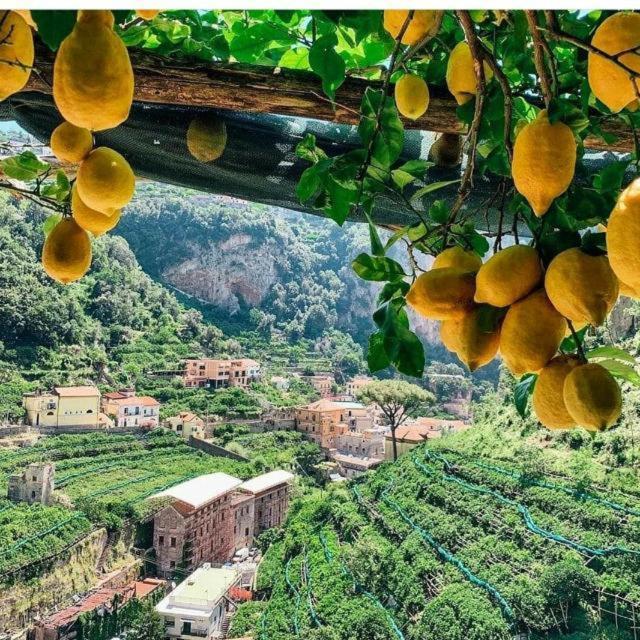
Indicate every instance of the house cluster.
{"type": "Point", "coordinates": [78, 407]}
{"type": "Point", "coordinates": [211, 517]}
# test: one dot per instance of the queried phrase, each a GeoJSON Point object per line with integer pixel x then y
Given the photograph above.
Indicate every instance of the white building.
{"type": "Point", "coordinates": [197, 607]}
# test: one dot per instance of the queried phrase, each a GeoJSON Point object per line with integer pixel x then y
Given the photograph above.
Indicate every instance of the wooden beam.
{"type": "Point", "coordinates": [289, 92]}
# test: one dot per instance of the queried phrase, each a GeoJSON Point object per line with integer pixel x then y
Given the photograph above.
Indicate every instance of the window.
{"type": "Point", "coordinates": [160, 540]}
{"type": "Point", "coordinates": [173, 542]}
{"type": "Point", "coordinates": [34, 478]}
{"type": "Point", "coordinates": [246, 531]}
{"type": "Point", "coordinates": [33, 494]}
{"type": "Point", "coordinates": [172, 564]}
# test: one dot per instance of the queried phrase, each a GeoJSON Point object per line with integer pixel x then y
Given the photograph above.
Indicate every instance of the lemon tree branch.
{"type": "Point", "coordinates": [538, 57]}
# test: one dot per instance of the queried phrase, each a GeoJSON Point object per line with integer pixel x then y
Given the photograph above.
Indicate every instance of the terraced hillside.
{"type": "Point", "coordinates": [101, 480]}
{"type": "Point", "coordinates": [443, 547]}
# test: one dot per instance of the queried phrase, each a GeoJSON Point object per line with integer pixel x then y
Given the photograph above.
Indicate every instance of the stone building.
{"type": "Point", "coordinates": [217, 374]}
{"type": "Point", "coordinates": [198, 526]}
{"type": "Point", "coordinates": [271, 494]}
{"type": "Point", "coordinates": [244, 519]}
{"type": "Point", "coordinates": [322, 383]}
{"type": "Point", "coordinates": [417, 431]}
{"type": "Point", "coordinates": [355, 384]}
{"type": "Point", "coordinates": [34, 484]}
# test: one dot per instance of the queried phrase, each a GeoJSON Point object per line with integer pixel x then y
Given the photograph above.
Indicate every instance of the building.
{"type": "Point", "coordinates": [322, 383]}
{"type": "Point", "coordinates": [355, 384]}
{"type": "Point", "coordinates": [198, 525]}
{"type": "Point", "coordinates": [280, 382]}
{"type": "Point", "coordinates": [34, 484]}
{"type": "Point", "coordinates": [351, 466]}
{"type": "Point", "coordinates": [131, 411]}
{"type": "Point", "coordinates": [324, 420]}
{"type": "Point", "coordinates": [368, 443]}
{"type": "Point", "coordinates": [186, 424]}
{"type": "Point", "coordinates": [198, 607]}
{"type": "Point", "coordinates": [217, 374]}
{"type": "Point", "coordinates": [417, 431]}
{"type": "Point", "coordinates": [63, 407]}
{"type": "Point", "coordinates": [244, 520]}
{"type": "Point", "coordinates": [271, 494]}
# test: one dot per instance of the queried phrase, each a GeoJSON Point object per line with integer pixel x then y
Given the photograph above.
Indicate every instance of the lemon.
{"type": "Point", "coordinates": [440, 294]}
{"type": "Point", "coordinates": [92, 74]}
{"type": "Point", "coordinates": [16, 53]}
{"type": "Point", "coordinates": [446, 151]}
{"type": "Point", "coordinates": [90, 220]}
{"type": "Point", "coordinates": [412, 96]}
{"type": "Point", "coordinates": [581, 287]}
{"type": "Point", "coordinates": [544, 161]}
{"type": "Point", "coordinates": [531, 333]}
{"type": "Point", "coordinates": [609, 82]}
{"type": "Point", "coordinates": [461, 76]}
{"type": "Point", "coordinates": [66, 254]}
{"type": "Point", "coordinates": [206, 138]}
{"type": "Point", "coordinates": [623, 237]}
{"type": "Point", "coordinates": [422, 25]}
{"type": "Point", "coordinates": [592, 397]}
{"type": "Point", "coordinates": [547, 400]}
{"type": "Point", "coordinates": [627, 291]}
{"type": "Point", "coordinates": [70, 143]}
{"type": "Point", "coordinates": [459, 258]}
{"type": "Point", "coordinates": [474, 340]}
{"type": "Point", "coordinates": [105, 181]}
{"type": "Point", "coordinates": [508, 275]}
{"type": "Point", "coordinates": [147, 14]}
{"type": "Point", "coordinates": [27, 17]}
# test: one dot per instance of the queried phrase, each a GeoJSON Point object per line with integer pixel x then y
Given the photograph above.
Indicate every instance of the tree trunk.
{"type": "Point", "coordinates": [395, 444]}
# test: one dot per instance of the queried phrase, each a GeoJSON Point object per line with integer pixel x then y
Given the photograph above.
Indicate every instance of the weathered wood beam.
{"type": "Point", "coordinates": [240, 87]}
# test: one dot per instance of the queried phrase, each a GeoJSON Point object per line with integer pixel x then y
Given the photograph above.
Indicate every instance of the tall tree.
{"type": "Point", "coordinates": [398, 400]}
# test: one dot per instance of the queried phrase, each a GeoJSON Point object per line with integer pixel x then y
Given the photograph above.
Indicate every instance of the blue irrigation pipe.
{"type": "Point", "coordinates": [530, 523]}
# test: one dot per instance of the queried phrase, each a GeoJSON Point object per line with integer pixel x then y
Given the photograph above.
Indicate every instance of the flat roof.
{"type": "Point", "coordinates": [267, 481]}
{"type": "Point", "coordinates": [85, 390]}
{"type": "Point", "coordinates": [202, 590]}
{"type": "Point", "coordinates": [201, 490]}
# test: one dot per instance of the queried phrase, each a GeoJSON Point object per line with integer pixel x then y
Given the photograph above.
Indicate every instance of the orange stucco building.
{"type": "Point", "coordinates": [216, 374]}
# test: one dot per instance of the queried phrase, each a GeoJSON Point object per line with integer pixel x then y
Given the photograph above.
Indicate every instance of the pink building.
{"type": "Point", "coordinates": [216, 374]}
{"type": "Point", "coordinates": [129, 410]}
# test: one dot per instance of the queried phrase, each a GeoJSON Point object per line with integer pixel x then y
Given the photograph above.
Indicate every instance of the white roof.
{"type": "Point", "coordinates": [266, 481]}
{"type": "Point", "coordinates": [198, 491]}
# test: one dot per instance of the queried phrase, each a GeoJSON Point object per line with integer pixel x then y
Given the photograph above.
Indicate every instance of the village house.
{"type": "Point", "coordinates": [212, 373]}
{"type": "Point", "coordinates": [186, 424]}
{"type": "Point", "coordinates": [322, 383]}
{"type": "Point", "coordinates": [351, 466]}
{"type": "Point", "coordinates": [212, 516]}
{"type": "Point", "coordinates": [415, 432]}
{"type": "Point", "coordinates": [34, 484]}
{"type": "Point", "coordinates": [198, 606]}
{"type": "Point", "coordinates": [355, 384]}
{"type": "Point", "coordinates": [324, 420]}
{"type": "Point", "coordinates": [131, 411]}
{"type": "Point", "coordinates": [63, 407]}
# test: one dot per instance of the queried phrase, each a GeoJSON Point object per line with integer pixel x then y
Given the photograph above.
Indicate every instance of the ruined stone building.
{"type": "Point", "coordinates": [34, 484]}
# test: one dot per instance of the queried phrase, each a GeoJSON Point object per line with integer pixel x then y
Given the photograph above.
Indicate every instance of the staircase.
{"type": "Point", "coordinates": [112, 537]}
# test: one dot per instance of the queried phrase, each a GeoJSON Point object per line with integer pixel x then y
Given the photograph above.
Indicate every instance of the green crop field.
{"type": "Point", "coordinates": [449, 546]}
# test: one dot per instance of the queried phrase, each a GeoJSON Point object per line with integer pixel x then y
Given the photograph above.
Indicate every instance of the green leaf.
{"type": "Point", "coordinates": [377, 269]}
{"type": "Point", "coordinates": [59, 189]}
{"type": "Point", "coordinates": [49, 224]}
{"type": "Point", "coordinates": [402, 178]}
{"type": "Point", "coordinates": [308, 150]}
{"type": "Point", "coordinates": [377, 248]}
{"type": "Point", "coordinates": [54, 25]}
{"type": "Point", "coordinates": [522, 391]}
{"type": "Point", "coordinates": [25, 166]}
{"type": "Point", "coordinates": [405, 351]}
{"type": "Point", "coordinates": [610, 352]}
{"type": "Point", "coordinates": [430, 188]}
{"type": "Point", "coordinates": [393, 289]}
{"type": "Point", "coordinates": [388, 143]}
{"type": "Point", "coordinates": [439, 211]}
{"type": "Point", "coordinates": [621, 370]}
{"type": "Point", "coordinates": [609, 178]}
{"type": "Point", "coordinates": [312, 180]}
{"type": "Point", "coordinates": [377, 358]}
{"type": "Point", "coordinates": [568, 345]}
{"type": "Point", "coordinates": [325, 62]}
{"type": "Point", "coordinates": [561, 110]}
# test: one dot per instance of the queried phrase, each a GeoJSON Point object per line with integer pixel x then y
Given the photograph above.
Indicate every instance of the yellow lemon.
{"type": "Point", "coordinates": [531, 333]}
{"type": "Point", "coordinates": [412, 96]}
{"type": "Point", "coordinates": [27, 17]}
{"type": "Point", "coordinates": [547, 400]}
{"type": "Point", "coordinates": [508, 275]}
{"type": "Point", "coordinates": [92, 74]}
{"type": "Point", "coordinates": [459, 258]}
{"type": "Point", "coordinates": [461, 76]}
{"type": "Point", "coordinates": [90, 220]}
{"type": "Point", "coordinates": [472, 338]}
{"type": "Point", "coordinates": [581, 287]}
{"type": "Point", "coordinates": [206, 138]}
{"type": "Point", "coordinates": [147, 14]}
{"type": "Point", "coordinates": [609, 82]}
{"type": "Point", "coordinates": [70, 143]}
{"type": "Point", "coordinates": [66, 254]}
{"type": "Point", "coordinates": [446, 151]}
{"type": "Point", "coordinates": [16, 53]}
{"type": "Point", "coordinates": [544, 161]}
{"type": "Point", "coordinates": [592, 397]}
{"type": "Point", "coordinates": [422, 25]}
{"type": "Point", "coordinates": [623, 237]}
{"type": "Point", "coordinates": [440, 294]}
{"type": "Point", "coordinates": [105, 180]}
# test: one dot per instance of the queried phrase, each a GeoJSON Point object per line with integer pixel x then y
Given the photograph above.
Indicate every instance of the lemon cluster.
{"type": "Point", "coordinates": [511, 305]}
